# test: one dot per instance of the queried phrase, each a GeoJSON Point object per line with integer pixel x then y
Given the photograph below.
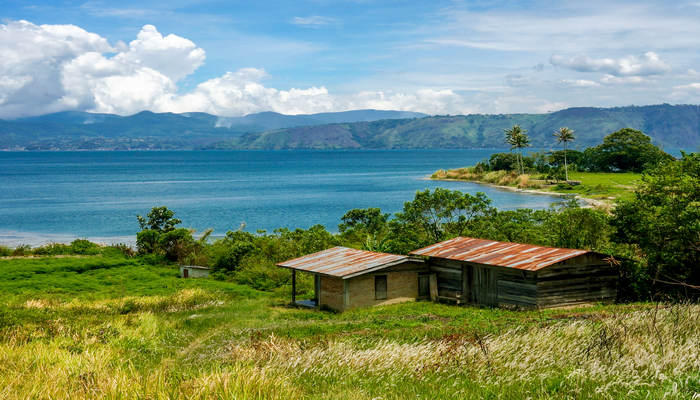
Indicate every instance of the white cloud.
{"type": "Point", "coordinates": [240, 93]}
{"type": "Point", "coordinates": [52, 68]}
{"type": "Point", "coordinates": [647, 64]}
{"type": "Point", "coordinates": [31, 62]}
{"type": "Point", "coordinates": [624, 80]}
{"type": "Point", "coordinates": [690, 86]}
{"type": "Point", "coordinates": [429, 101]}
{"type": "Point", "coordinates": [313, 21]}
{"type": "Point", "coordinates": [173, 56]}
{"type": "Point", "coordinates": [578, 83]}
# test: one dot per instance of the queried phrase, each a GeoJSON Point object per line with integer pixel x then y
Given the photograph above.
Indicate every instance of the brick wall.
{"type": "Point", "coordinates": [331, 293]}
{"type": "Point", "coordinates": [400, 286]}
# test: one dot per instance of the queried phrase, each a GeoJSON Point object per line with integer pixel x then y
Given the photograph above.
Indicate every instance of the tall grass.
{"type": "Point", "coordinates": [635, 355]}
{"type": "Point", "coordinates": [94, 327]}
{"type": "Point", "coordinates": [501, 178]}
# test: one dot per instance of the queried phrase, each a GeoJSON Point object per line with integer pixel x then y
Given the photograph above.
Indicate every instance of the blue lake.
{"type": "Point", "coordinates": [58, 196]}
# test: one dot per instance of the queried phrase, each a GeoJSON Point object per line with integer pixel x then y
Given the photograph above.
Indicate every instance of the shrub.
{"type": "Point", "coordinates": [22, 250]}
{"type": "Point", "coordinates": [5, 251]}
{"type": "Point", "coordinates": [261, 274]}
{"type": "Point", "coordinates": [84, 247]}
{"type": "Point", "coordinates": [53, 249]}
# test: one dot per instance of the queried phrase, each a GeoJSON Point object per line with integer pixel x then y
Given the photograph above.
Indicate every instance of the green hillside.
{"type": "Point", "coordinates": [669, 126]}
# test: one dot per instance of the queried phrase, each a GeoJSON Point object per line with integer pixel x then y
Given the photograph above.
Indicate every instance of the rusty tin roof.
{"type": "Point", "coordinates": [343, 262]}
{"type": "Point", "coordinates": [505, 254]}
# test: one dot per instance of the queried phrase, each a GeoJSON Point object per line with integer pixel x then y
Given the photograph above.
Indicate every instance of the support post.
{"type": "Point", "coordinates": [294, 287]}
{"type": "Point", "coordinates": [317, 289]}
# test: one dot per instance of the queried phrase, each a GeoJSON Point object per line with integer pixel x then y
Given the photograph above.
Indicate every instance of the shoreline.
{"type": "Point", "coordinates": [589, 202]}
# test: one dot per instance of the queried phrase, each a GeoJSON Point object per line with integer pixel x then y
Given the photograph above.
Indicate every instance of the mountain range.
{"type": "Point", "coordinates": [671, 126]}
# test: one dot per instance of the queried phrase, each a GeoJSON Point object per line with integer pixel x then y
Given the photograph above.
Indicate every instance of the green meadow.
{"type": "Point", "coordinates": [597, 185]}
{"type": "Point", "coordinates": [121, 328]}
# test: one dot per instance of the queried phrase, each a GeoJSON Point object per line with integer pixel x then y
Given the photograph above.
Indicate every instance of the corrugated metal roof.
{"type": "Point", "coordinates": [342, 262]}
{"type": "Point", "coordinates": [505, 254]}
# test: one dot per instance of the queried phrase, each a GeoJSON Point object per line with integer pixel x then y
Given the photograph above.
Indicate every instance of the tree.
{"type": "Point", "coordinates": [159, 235]}
{"type": "Point", "coordinates": [517, 138]}
{"type": "Point", "coordinates": [663, 220]}
{"type": "Point", "coordinates": [565, 135]}
{"type": "Point", "coordinates": [366, 227]}
{"type": "Point", "coordinates": [507, 162]}
{"type": "Point", "coordinates": [160, 219]}
{"type": "Point", "coordinates": [443, 213]}
{"type": "Point", "coordinates": [627, 150]}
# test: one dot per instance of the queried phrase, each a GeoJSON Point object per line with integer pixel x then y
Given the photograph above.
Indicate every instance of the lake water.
{"type": "Point", "coordinates": [58, 196]}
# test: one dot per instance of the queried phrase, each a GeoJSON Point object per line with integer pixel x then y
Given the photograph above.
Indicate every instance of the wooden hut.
{"type": "Point", "coordinates": [346, 278]}
{"type": "Point", "coordinates": [496, 273]}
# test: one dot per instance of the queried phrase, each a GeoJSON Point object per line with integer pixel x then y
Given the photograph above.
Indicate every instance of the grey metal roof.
{"type": "Point", "coordinates": [343, 262]}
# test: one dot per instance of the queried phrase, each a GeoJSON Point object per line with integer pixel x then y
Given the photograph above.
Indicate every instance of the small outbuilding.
{"type": "Point", "coordinates": [493, 273]}
{"type": "Point", "coordinates": [346, 278]}
{"type": "Point", "coordinates": [193, 271]}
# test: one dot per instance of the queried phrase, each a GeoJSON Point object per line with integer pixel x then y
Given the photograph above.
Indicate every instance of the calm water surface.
{"type": "Point", "coordinates": [58, 196]}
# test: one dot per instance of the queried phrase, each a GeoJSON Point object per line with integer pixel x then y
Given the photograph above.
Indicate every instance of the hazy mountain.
{"type": "Point", "coordinates": [82, 130]}
{"type": "Point", "coordinates": [670, 126]}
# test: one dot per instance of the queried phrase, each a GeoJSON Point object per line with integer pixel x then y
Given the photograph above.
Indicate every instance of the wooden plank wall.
{"type": "Point", "coordinates": [579, 280]}
{"type": "Point", "coordinates": [449, 279]}
{"type": "Point", "coordinates": [484, 285]}
{"type": "Point", "coordinates": [576, 283]}
{"type": "Point", "coordinates": [517, 288]}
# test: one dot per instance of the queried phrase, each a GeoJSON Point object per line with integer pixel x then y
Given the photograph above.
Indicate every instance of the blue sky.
{"type": "Point", "coordinates": [438, 57]}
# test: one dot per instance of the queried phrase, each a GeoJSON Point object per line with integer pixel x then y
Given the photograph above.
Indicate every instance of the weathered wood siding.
{"type": "Point", "coordinates": [583, 279]}
{"type": "Point", "coordinates": [587, 278]}
{"type": "Point", "coordinates": [516, 288]}
{"type": "Point", "coordinates": [450, 280]}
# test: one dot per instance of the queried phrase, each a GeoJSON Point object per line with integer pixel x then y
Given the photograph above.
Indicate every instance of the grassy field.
{"type": "Point", "coordinates": [595, 185]}
{"type": "Point", "coordinates": [100, 327]}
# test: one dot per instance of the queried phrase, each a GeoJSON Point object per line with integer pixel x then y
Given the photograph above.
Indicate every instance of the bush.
{"type": "Point", "coordinates": [22, 250]}
{"type": "Point", "coordinates": [261, 274]}
{"type": "Point", "coordinates": [5, 251]}
{"type": "Point", "coordinates": [509, 162]}
{"type": "Point", "coordinates": [84, 247]}
{"type": "Point", "coordinates": [53, 249]}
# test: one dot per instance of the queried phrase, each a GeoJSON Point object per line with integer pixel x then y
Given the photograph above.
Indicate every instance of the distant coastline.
{"type": "Point", "coordinates": [588, 202]}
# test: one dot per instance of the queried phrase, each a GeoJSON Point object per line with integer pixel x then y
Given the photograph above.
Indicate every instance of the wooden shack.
{"type": "Point", "coordinates": [347, 278]}
{"type": "Point", "coordinates": [493, 273]}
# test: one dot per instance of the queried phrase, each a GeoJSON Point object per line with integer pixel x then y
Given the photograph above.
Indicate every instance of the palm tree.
{"type": "Point", "coordinates": [517, 139]}
{"type": "Point", "coordinates": [565, 135]}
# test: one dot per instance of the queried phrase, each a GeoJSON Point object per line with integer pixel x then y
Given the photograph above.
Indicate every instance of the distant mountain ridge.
{"type": "Point", "coordinates": [674, 126]}
{"type": "Point", "coordinates": [76, 130]}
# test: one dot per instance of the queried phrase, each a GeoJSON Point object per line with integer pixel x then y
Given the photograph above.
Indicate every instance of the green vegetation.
{"type": "Point", "coordinates": [673, 126]}
{"type": "Point", "coordinates": [604, 171]}
{"type": "Point", "coordinates": [663, 219]}
{"type": "Point", "coordinates": [565, 135]}
{"type": "Point", "coordinates": [116, 327]}
{"type": "Point", "coordinates": [517, 138]}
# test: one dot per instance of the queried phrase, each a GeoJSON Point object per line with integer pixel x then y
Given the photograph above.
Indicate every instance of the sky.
{"type": "Point", "coordinates": [233, 58]}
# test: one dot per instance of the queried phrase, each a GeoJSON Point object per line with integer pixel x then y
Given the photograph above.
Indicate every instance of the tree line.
{"type": "Point", "coordinates": [626, 150]}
